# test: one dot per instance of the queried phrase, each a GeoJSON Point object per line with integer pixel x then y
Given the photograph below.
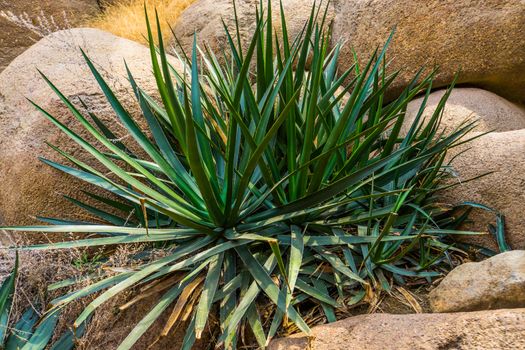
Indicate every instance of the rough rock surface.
{"type": "Point", "coordinates": [499, 329]}
{"type": "Point", "coordinates": [492, 112]}
{"type": "Point", "coordinates": [23, 22]}
{"type": "Point", "coordinates": [482, 37]}
{"type": "Point", "coordinates": [205, 18]}
{"type": "Point", "coordinates": [27, 186]}
{"type": "Point", "coordinates": [495, 283]}
{"type": "Point", "coordinates": [503, 154]}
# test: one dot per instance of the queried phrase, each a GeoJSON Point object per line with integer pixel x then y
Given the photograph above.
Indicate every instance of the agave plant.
{"type": "Point", "coordinates": [266, 176]}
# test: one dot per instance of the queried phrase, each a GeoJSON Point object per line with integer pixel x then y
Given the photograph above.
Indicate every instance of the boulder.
{"type": "Point", "coordinates": [495, 283]}
{"type": "Point", "coordinates": [27, 186]}
{"type": "Point", "coordinates": [500, 329]}
{"type": "Point", "coordinates": [483, 38]}
{"type": "Point", "coordinates": [23, 22]}
{"type": "Point", "coordinates": [501, 155]}
{"type": "Point", "coordinates": [492, 112]}
{"type": "Point", "coordinates": [501, 152]}
{"type": "Point", "coordinates": [205, 18]}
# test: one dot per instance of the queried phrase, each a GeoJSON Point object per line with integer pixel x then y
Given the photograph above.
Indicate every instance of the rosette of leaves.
{"type": "Point", "coordinates": [267, 176]}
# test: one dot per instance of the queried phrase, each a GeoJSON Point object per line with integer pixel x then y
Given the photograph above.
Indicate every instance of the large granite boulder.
{"type": "Point", "coordinates": [500, 155]}
{"type": "Point", "coordinates": [27, 186]}
{"type": "Point", "coordinates": [205, 17]}
{"type": "Point", "coordinates": [24, 22]}
{"type": "Point", "coordinates": [482, 38]}
{"type": "Point", "coordinates": [490, 111]}
{"type": "Point", "coordinates": [499, 329]}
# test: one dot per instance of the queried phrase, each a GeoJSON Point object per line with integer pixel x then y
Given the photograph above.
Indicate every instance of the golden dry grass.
{"type": "Point", "coordinates": [125, 18]}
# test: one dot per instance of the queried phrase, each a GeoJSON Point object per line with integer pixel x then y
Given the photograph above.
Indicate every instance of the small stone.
{"type": "Point", "coordinates": [495, 283]}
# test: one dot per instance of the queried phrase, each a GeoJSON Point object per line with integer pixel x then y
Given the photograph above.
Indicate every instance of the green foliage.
{"type": "Point", "coordinates": [87, 261]}
{"type": "Point", "coordinates": [497, 230]}
{"type": "Point", "coordinates": [266, 176]}
{"type": "Point", "coordinates": [7, 291]}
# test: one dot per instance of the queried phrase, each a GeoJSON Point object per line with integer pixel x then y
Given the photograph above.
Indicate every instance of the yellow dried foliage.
{"type": "Point", "coordinates": [125, 18]}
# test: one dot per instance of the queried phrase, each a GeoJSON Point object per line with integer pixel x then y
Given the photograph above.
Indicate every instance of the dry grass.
{"type": "Point", "coordinates": [109, 326]}
{"type": "Point", "coordinates": [125, 18]}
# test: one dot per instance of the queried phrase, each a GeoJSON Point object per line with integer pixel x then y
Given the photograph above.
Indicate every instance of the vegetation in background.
{"type": "Point", "coordinates": [7, 291]}
{"type": "Point", "coordinates": [273, 182]}
{"type": "Point", "coordinates": [125, 18]}
{"type": "Point", "coordinates": [31, 331]}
